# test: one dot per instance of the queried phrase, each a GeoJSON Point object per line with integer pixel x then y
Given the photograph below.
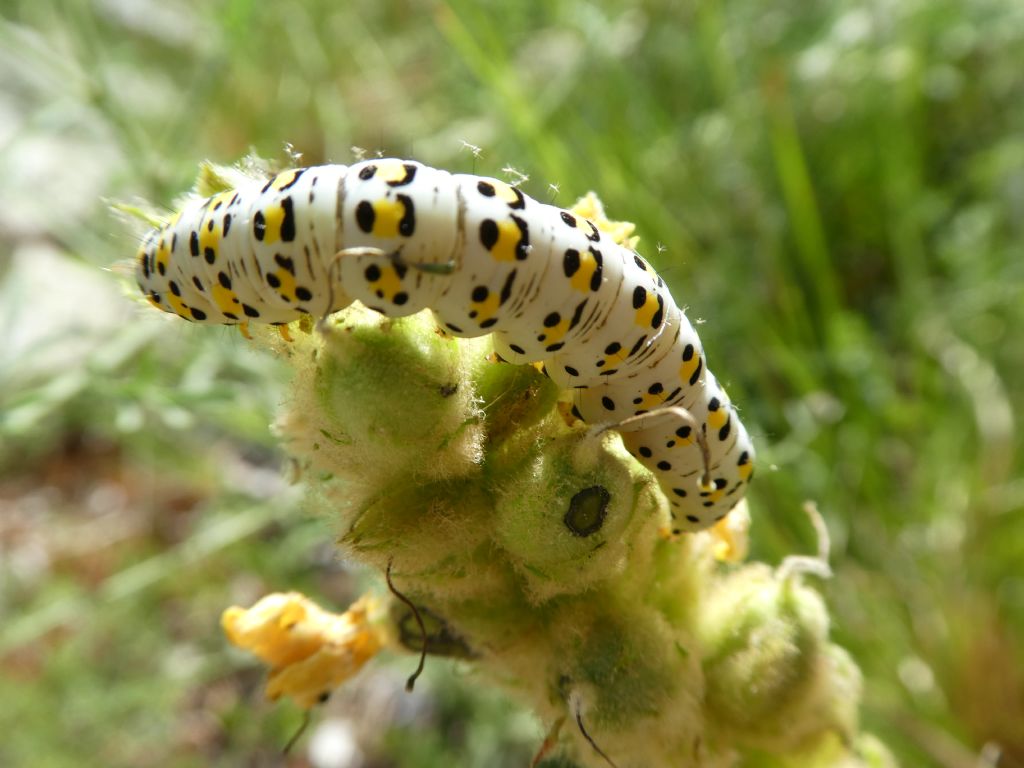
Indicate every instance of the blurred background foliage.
{"type": "Point", "coordinates": [837, 187]}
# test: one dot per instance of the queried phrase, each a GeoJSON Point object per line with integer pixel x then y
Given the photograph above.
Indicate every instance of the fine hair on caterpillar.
{"type": "Point", "coordinates": [550, 285]}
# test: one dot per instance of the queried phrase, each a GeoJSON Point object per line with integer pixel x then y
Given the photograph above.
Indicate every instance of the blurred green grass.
{"type": "Point", "coordinates": [837, 188]}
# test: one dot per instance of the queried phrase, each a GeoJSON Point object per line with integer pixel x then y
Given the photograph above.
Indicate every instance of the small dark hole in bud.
{"type": "Point", "coordinates": [587, 511]}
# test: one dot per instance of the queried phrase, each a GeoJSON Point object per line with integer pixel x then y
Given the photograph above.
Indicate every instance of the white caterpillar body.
{"type": "Point", "coordinates": [485, 258]}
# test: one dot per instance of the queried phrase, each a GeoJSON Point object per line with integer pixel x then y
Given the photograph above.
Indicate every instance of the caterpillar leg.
{"type": "Point", "coordinates": [243, 328]}
{"type": "Point", "coordinates": [282, 329]}
{"type": "Point", "coordinates": [335, 301]}
{"type": "Point", "coordinates": [700, 491]}
{"type": "Point", "coordinates": [677, 420]}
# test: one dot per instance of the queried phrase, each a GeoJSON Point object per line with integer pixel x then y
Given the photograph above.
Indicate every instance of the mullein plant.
{"type": "Point", "coordinates": [534, 547]}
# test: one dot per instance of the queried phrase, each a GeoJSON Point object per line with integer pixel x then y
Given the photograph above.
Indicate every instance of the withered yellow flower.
{"type": "Point", "coordinates": [310, 651]}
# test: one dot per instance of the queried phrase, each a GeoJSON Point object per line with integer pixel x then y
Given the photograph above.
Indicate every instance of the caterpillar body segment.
{"type": "Point", "coordinates": [485, 258]}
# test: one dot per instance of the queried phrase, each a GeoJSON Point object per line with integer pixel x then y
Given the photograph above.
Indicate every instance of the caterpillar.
{"type": "Point", "coordinates": [486, 258]}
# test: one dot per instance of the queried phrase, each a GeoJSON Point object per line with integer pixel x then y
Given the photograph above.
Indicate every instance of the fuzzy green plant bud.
{"type": "Point", "coordinates": [571, 516]}
{"type": "Point", "coordinates": [384, 403]}
{"type": "Point", "coordinates": [773, 679]}
{"type": "Point", "coordinates": [537, 547]}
